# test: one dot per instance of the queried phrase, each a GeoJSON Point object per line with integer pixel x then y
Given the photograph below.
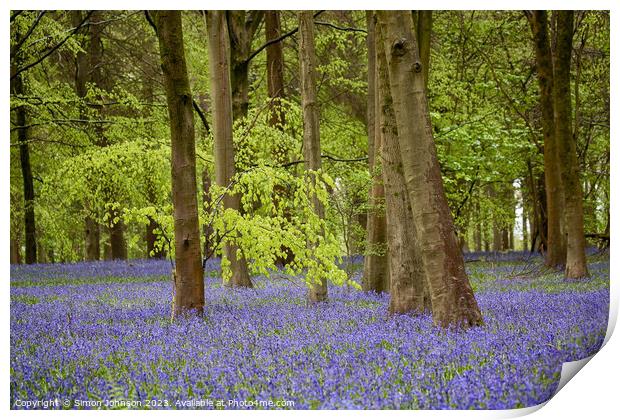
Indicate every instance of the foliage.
{"type": "Point", "coordinates": [110, 148]}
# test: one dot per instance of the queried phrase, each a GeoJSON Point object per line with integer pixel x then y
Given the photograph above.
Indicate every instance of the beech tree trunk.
{"type": "Point", "coordinates": [207, 231]}
{"type": "Point", "coordinates": [222, 132]}
{"type": "Point", "coordinates": [277, 119]}
{"type": "Point", "coordinates": [16, 257]}
{"type": "Point", "coordinates": [556, 250]}
{"type": "Point", "coordinates": [525, 237]}
{"type": "Point", "coordinates": [92, 236]}
{"type": "Point", "coordinates": [115, 224]}
{"type": "Point", "coordinates": [376, 275]}
{"type": "Point", "coordinates": [151, 227]}
{"type": "Point", "coordinates": [17, 88]}
{"type": "Point", "coordinates": [117, 237]}
{"type": "Point", "coordinates": [275, 68]}
{"type": "Point", "coordinates": [82, 62]}
{"type": "Point", "coordinates": [576, 266]}
{"type": "Point", "coordinates": [188, 276]}
{"type": "Point", "coordinates": [408, 286]}
{"type": "Point", "coordinates": [478, 228]}
{"type": "Point", "coordinates": [310, 109]}
{"type": "Point", "coordinates": [151, 239]}
{"type": "Point", "coordinates": [423, 32]}
{"type": "Point", "coordinates": [241, 27]}
{"type": "Point", "coordinates": [452, 299]}
{"type": "Point", "coordinates": [496, 230]}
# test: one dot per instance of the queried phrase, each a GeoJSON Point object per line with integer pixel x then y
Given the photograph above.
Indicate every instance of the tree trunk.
{"type": "Point", "coordinates": [408, 286]}
{"type": "Point", "coordinates": [82, 62]}
{"type": "Point", "coordinates": [423, 32]}
{"type": "Point", "coordinates": [275, 68]}
{"type": "Point", "coordinates": [538, 228]}
{"type": "Point", "coordinates": [92, 235]}
{"type": "Point", "coordinates": [151, 239]}
{"type": "Point", "coordinates": [17, 88]}
{"type": "Point", "coordinates": [241, 27]}
{"type": "Point", "coordinates": [188, 276]}
{"type": "Point", "coordinates": [222, 133]}
{"type": "Point", "coordinates": [376, 275]}
{"type": "Point", "coordinates": [310, 109]}
{"type": "Point", "coordinates": [478, 228]}
{"type": "Point", "coordinates": [524, 221]}
{"type": "Point", "coordinates": [207, 231]}
{"type": "Point", "coordinates": [556, 251]}
{"type": "Point", "coordinates": [115, 227]}
{"type": "Point", "coordinates": [576, 266]}
{"type": "Point", "coordinates": [277, 119]}
{"type": "Point", "coordinates": [452, 298]}
{"type": "Point", "coordinates": [497, 232]}
{"type": "Point", "coordinates": [505, 239]}
{"type": "Point", "coordinates": [16, 257]}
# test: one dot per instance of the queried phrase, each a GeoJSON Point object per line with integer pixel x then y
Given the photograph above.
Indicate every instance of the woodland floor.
{"type": "Point", "coordinates": [102, 331]}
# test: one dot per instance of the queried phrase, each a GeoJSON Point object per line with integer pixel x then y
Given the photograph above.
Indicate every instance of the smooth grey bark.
{"type": "Point", "coordinates": [408, 284]}
{"type": "Point", "coordinates": [452, 299]}
{"type": "Point", "coordinates": [188, 276]}
{"type": "Point", "coordinates": [576, 264]}
{"type": "Point", "coordinates": [222, 133]}
{"type": "Point", "coordinates": [555, 245]}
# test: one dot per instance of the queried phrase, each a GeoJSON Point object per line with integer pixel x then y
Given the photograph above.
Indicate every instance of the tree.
{"type": "Point", "coordinates": [100, 80]}
{"type": "Point", "coordinates": [310, 109]}
{"type": "Point", "coordinates": [277, 116]}
{"type": "Point", "coordinates": [275, 69]}
{"type": "Point", "coordinates": [452, 298]}
{"type": "Point", "coordinates": [241, 27]}
{"type": "Point", "coordinates": [573, 196]}
{"type": "Point", "coordinates": [423, 26]}
{"type": "Point", "coordinates": [408, 285]}
{"type": "Point", "coordinates": [376, 274]}
{"type": "Point", "coordinates": [188, 276]}
{"type": "Point", "coordinates": [82, 61]}
{"type": "Point", "coordinates": [21, 121]}
{"type": "Point", "coordinates": [223, 135]}
{"type": "Point", "coordinates": [556, 251]}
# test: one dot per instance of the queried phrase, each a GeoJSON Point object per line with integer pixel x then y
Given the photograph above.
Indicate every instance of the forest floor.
{"type": "Point", "coordinates": [102, 332]}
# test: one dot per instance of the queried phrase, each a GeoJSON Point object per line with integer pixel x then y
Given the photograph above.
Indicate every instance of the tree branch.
{"type": "Point", "coordinates": [202, 116]}
{"type": "Point", "coordinates": [276, 40]}
{"type": "Point", "coordinates": [340, 28]}
{"type": "Point", "coordinates": [47, 54]}
{"type": "Point", "coordinates": [17, 46]}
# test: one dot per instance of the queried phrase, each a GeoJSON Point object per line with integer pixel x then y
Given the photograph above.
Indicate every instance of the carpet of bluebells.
{"type": "Point", "coordinates": [102, 331]}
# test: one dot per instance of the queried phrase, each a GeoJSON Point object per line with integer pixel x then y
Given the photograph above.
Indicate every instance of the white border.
{"type": "Point", "coordinates": [592, 395]}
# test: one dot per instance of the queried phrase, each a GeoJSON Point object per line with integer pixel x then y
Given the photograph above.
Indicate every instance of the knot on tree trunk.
{"type": "Point", "coordinates": [399, 47]}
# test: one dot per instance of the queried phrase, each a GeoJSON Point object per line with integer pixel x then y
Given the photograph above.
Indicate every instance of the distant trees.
{"type": "Point", "coordinates": [188, 275]}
